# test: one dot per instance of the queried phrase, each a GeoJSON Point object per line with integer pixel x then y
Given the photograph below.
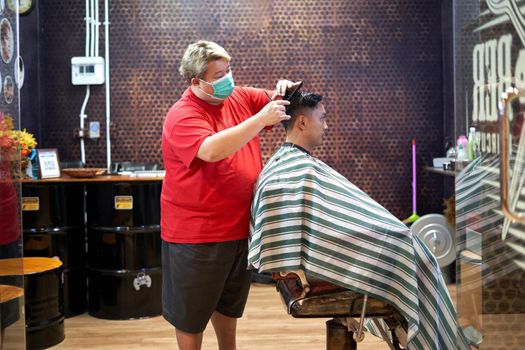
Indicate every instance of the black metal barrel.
{"type": "Point", "coordinates": [123, 220]}
{"type": "Point", "coordinates": [54, 226]}
{"type": "Point", "coordinates": [44, 308]}
{"type": "Point", "coordinates": [43, 298]}
{"type": "Point", "coordinates": [9, 306]}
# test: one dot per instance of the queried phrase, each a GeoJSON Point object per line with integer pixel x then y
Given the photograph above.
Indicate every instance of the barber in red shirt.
{"type": "Point", "coordinates": [211, 152]}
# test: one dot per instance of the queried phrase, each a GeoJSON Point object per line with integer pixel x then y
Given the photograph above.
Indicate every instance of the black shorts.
{"type": "Point", "coordinates": [198, 279]}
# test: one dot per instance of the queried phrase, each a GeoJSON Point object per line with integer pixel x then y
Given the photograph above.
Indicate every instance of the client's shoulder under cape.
{"type": "Point", "coordinates": [291, 169]}
{"type": "Point", "coordinates": [290, 163]}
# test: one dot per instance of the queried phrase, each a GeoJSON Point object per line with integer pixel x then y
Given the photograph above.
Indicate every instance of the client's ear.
{"type": "Point", "coordinates": [300, 122]}
{"type": "Point", "coordinates": [194, 81]}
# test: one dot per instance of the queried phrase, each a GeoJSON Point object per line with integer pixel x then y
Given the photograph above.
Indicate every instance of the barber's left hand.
{"type": "Point", "coordinates": [284, 85]}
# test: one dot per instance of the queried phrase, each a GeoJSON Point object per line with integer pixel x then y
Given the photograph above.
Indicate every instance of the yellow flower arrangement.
{"type": "Point", "coordinates": [17, 148]}
{"type": "Point", "coordinates": [26, 141]}
{"type": "Point", "coordinates": [10, 138]}
{"type": "Point", "coordinates": [7, 143]}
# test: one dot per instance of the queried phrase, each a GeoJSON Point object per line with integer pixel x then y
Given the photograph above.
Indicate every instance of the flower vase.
{"type": "Point", "coordinates": [24, 163]}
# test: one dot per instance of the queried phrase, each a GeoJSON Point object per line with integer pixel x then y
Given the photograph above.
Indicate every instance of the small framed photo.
{"type": "Point", "coordinates": [48, 163]}
{"type": "Point", "coordinates": [7, 42]}
{"type": "Point", "coordinates": [24, 6]}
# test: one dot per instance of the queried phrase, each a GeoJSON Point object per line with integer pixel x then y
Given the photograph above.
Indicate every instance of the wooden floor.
{"type": "Point", "coordinates": [265, 326]}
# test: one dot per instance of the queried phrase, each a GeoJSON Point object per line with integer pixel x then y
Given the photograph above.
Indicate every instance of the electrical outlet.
{"type": "Point", "coordinates": [94, 130]}
{"type": "Point", "coordinates": [79, 133]}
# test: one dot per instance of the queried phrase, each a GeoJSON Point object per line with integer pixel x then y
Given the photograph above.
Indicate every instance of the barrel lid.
{"type": "Point", "coordinates": [8, 292]}
{"type": "Point", "coordinates": [27, 265]}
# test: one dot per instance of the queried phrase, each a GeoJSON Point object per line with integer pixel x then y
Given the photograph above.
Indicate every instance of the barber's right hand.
{"type": "Point", "coordinates": [274, 112]}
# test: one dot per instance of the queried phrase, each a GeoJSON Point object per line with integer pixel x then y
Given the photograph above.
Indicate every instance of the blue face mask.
{"type": "Point", "coordinates": [222, 87]}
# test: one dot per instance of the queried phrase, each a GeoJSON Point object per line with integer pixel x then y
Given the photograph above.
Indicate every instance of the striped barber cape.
{"type": "Point", "coordinates": [307, 216]}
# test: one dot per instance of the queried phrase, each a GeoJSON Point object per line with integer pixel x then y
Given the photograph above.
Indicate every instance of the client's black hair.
{"type": "Point", "coordinates": [300, 101]}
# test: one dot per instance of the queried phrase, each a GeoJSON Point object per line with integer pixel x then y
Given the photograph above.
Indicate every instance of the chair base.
{"type": "Point", "coordinates": [325, 300]}
{"type": "Point", "coordinates": [338, 337]}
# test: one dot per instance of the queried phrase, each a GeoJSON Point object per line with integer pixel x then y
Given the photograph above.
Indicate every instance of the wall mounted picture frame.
{"type": "Point", "coordinates": [24, 6]}
{"type": "Point", "coordinates": [7, 41]}
{"type": "Point", "coordinates": [48, 163]}
{"type": "Point", "coordinates": [9, 89]}
{"type": "Point", "coordinates": [19, 72]}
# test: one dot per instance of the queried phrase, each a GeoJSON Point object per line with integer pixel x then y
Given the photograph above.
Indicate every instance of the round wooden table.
{"type": "Point", "coordinates": [8, 293]}
{"type": "Point", "coordinates": [43, 289]}
{"type": "Point", "coordinates": [27, 266]}
{"type": "Point", "coordinates": [9, 307]}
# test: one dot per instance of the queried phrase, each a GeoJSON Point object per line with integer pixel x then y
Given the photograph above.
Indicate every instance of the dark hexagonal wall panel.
{"type": "Point", "coordinates": [377, 63]}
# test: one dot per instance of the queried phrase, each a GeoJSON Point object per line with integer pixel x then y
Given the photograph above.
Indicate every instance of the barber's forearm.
{"type": "Point", "coordinates": [228, 141]}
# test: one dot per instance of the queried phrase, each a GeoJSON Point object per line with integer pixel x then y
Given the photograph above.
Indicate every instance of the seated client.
{"type": "Point", "coordinates": [306, 216]}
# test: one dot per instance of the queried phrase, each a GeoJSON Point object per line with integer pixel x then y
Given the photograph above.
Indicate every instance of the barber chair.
{"type": "Point", "coordinates": [310, 297]}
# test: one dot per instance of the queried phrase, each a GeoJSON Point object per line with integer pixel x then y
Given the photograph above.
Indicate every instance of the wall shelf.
{"type": "Point", "coordinates": [440, 171]}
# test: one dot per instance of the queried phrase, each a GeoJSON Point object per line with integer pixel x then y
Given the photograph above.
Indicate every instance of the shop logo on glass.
{"type": "Point", "coordinates": [506, 10]}
{"type": "Point", "coordinates": [142, 280]}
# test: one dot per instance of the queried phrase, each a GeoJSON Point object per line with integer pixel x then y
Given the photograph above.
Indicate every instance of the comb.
{"type": "Point", "coordinates": [294, 92]}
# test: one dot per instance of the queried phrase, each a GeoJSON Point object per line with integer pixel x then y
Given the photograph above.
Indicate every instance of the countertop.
{"type": "Point", "coordinates": [99, 178]}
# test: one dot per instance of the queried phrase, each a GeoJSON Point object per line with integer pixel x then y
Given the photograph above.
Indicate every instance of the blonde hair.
{"type": "Point", "coordinates": [197, 56]}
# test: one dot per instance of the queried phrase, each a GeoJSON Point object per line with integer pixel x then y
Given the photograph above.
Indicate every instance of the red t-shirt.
{"type": "Point", "coordinates": [9, 209]}
{"type": "Point", "coordinates": [201, 201]}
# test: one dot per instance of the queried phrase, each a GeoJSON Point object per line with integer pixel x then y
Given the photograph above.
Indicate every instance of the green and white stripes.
{"type": "Point", "coordinates": [307, 216]}
{"type": "Point", "coordinates": [481, 226]}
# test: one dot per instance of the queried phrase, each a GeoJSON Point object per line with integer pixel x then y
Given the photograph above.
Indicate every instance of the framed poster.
{"type": "Point", "coordinates": [48, 163]}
